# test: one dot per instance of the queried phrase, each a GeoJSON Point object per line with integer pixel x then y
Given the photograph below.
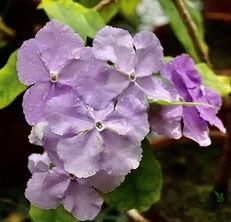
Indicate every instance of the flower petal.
{"type": "Point", "coordinates": [82, 201]}
{"type": "Point", "coordinates": [149, 54]}
{"type": "Point", "coordinates": [115, 45]}
{"type": "Point", "coordinates": [30, 66]}
{"type": "Point", "coordinates": [166, 120]}
{"type": "Point", "coordinates": [195, 127]}
{"type": "Point", "coordinates": [57, 44]}
{"type": "Point", "coordinates": [80, 154]}
{"type": "Point", "coordinates": [120, 154]}
{"type": "Point", "coordinates": [37, 193]}
{"type": "Point", "coordinates": [38, 163]}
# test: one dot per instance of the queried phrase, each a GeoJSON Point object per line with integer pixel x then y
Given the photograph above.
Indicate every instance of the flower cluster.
{"type": "Point", "coordinates": [88, 107]}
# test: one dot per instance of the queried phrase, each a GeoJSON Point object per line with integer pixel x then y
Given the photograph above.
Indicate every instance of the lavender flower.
{"type": "Point", "coordinates": [51, 186]}
{"type": "Point", "coordinates": [187, 81]}
{"type": "Point", "coordinates": [136, 58]}
{"type": "Point", "coordinates": [88, 141]}
{"type": "Point", "coordinates": [41, 62]}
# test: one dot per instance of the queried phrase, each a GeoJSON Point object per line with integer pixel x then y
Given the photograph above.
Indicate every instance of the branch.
{"type": "Point", "coordinates": [103, 3]}
{"type": "Point", "coordinates": [192, 30]}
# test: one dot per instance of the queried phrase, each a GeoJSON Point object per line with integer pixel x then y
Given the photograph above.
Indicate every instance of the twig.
{"type": "Point", "coordinates": [103, 3]}
{"type": "Point", "coordinates": [224, 168]}
{"type": "Point", "coordinates": [192, 30]}
{"type": "Point", "coordinates": [136, 216]}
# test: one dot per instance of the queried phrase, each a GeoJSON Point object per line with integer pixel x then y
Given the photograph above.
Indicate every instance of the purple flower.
{"type": "Point", "coordinates": [41, 62]}
{"type": "Point", "coordinates": [135, 60]}
{"type": "Point", "coordinates": [87, 141]}
{"type": "Point", "coordinates": [51, 186]}
{"type": "Point", "coordinates": [187, 81]}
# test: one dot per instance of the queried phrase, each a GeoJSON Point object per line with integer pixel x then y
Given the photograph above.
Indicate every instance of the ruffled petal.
{"type": "Point", "coordinates": [120, 155]}
{"type": "Point", "coordinates": [115, 45]}
{"type": "Point", "coordinates": [37, 193]}
{"type": "Point", "coordinates": [166, 121]}
{"type": "Point", "coordinates": [38, 163]}
{"type": "Point", "coordinates": [57, 44]}
{"type": "Point", "coordinates": [82, 201]}
{"type": "Point", "coordinates": [31, 68]}
{"type": "Point", "coordinates": [195, 127]}
{"type": "Point", "coordinates": [149, 54]}
{"type": "Point", "coordinates": [80, 154]}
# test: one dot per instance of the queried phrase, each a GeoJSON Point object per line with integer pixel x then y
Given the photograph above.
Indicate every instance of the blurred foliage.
{"type": "Point", "coordinates": [179, 28]}
{"type": "Point", "coordinates": [86, 22]}
{"type": "Point", "coordinates": [221, 84]}
{"type": "Point", "coordinates": [142, 187]}
{"type": "Point", "coordinates": [10, 87]}
{"type": "Point", "coordinates": [57, 215]}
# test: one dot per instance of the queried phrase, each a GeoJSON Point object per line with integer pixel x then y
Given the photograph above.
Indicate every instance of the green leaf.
{"type": "Point", "coordinates": [83, 20]}
{"type": "Point", "coordinates": [176, 103]}
{"type": "Point", "coordinates": [109, 11]}
{"type": "Point", "coordinates": [57, 215]}
{"type": "Point", "coordinates": [180, 29]}
{"type": "Point", "coordinates": [89, 3]}
{"type": "Point", "coordinates": [128, 9]}
{"type": "Point", "coordinates": [142, 187]}
{"type": "Point", "coordinates": [10, 87]}
{"type": "Point", "coordinates": [221, 84]}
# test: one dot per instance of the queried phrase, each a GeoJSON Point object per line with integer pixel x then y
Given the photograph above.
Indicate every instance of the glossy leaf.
{"type": "Point", "coordinates": [221, 84]}
{"type": "Point", "coordinates": [10, 87]}
{"type": "Point", "coordinates": [85, 21]}
{"type": "Point", "coordinates": [142, 187]}
{"type": "Point", "coordinates": [57, 215]}
{"type": "Point", "coordinates": [180, 29]}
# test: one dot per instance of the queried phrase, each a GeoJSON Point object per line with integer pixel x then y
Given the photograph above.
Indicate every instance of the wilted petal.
{"type": "Point", "coordinates": [166, 120]}
{"type": "Point", "coordinates": [37, 132]}
{"type": "Point", "coordinates": [115, 45]}
{"type": "Point", "coordinates": [149, 54]}
{"type": "Point", "coordinates": [80, 154]}
{"type": "Point", "coordinates": [30, 66]}
{"type": "Point", "coordinates": [57, 43]}
{"type": "Point", "coordinates": [82, 201]}
{"type": "Point", "coordinates": [195, 127]}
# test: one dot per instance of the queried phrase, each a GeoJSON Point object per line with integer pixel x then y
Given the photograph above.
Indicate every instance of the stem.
{"type": "Point", "coordinates": [103, 3]}
{"type": "Point", "coordinates": [136, 216]}
{"type": "Point", "coordinates": [192, 30]}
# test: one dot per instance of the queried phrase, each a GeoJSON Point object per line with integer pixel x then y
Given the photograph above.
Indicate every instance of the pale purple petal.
{"type": "Point", "coordinates": [37, 193]}
{"type": "Point", "coordinates": [120, 154]}
{"type": "Point", "coordinates": [82, 201]}
{"type": "Point", "coordinates": [129, 119]}
{"type": "Point", "coordinates": [80, 154]}
{"type": "Point", "coordinates": [30, 66]}
{"type": "Point", "coordinates": [104, 182]}
{"type": "Point", "coordinates": [38, 163]}
{"type": "Point", "coordinates": [149, 54]}
{"type": "Point", "coordinates": [115, 45]}
{"type": "Point", "coordinates": [195, 127]}
{"type": "Point", "coordinates": [166, 120]}
{"type": "Point", "coordinates": [67, 115]}
{"type": "Point", "coordinates": [57, 44]}
{"type": "Point", "coordinates": [155, 88]}
{"type": "Point", "coordinates": [96, 82]}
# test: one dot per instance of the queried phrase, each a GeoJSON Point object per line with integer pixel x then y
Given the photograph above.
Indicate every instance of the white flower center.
{"type": "Point", "coordinates": [53, 77]}
{"type": "Point", "coordinates": [132, 77]}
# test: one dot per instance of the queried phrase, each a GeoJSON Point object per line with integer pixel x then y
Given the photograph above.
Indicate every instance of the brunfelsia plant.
{"type": "Point", "coordinates": [91, 115]}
